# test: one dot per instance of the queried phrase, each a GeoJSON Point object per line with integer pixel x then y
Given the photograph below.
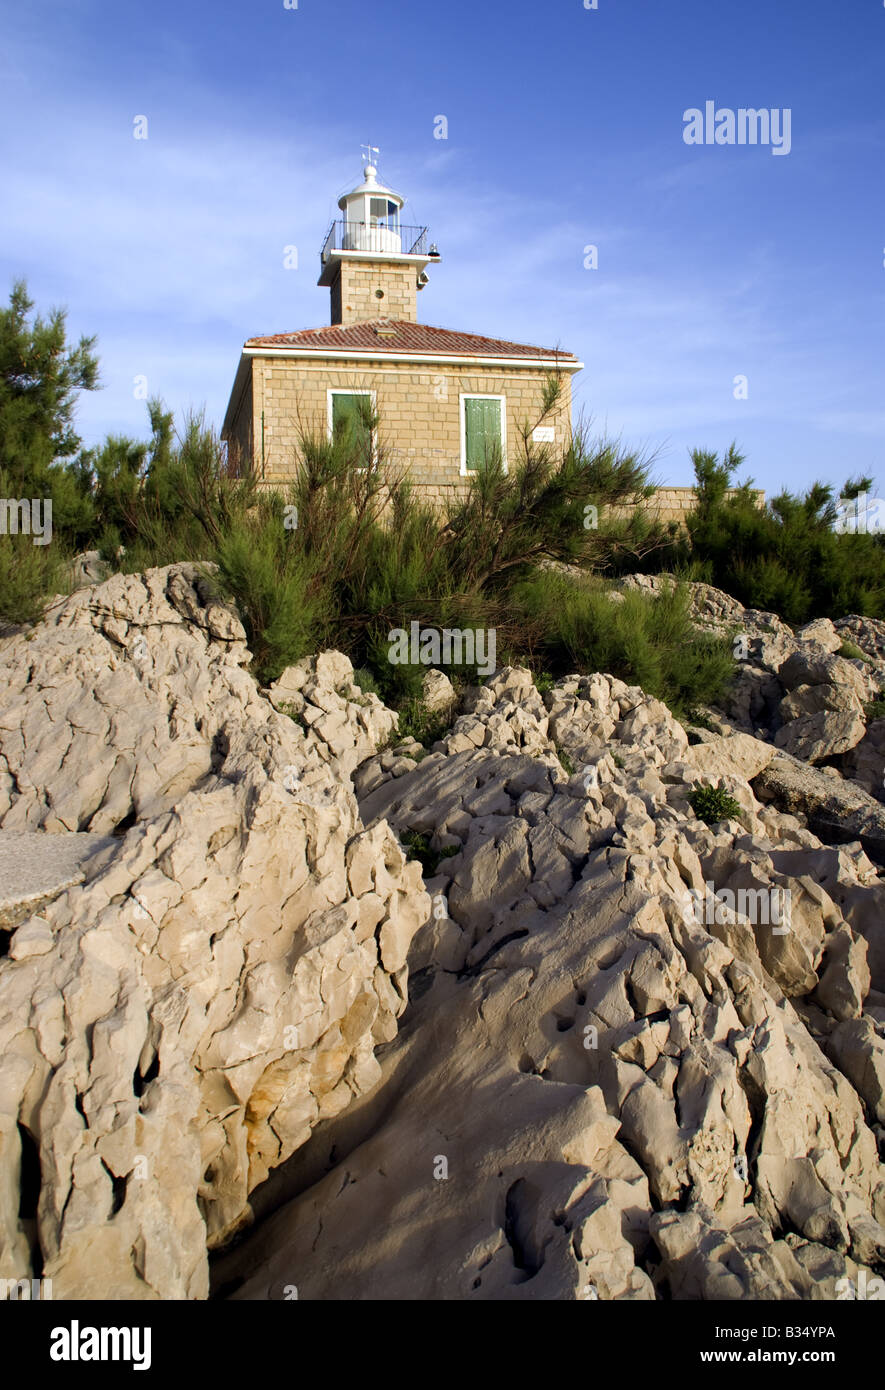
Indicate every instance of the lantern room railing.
{"type": "Point", "coordinates": [360, 236]}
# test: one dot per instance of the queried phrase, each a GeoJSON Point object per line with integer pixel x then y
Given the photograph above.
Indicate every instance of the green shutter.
{"type": "Point", "coordinates": [350, 414]}
{"type": "Point", "coordinates": [482, 425]}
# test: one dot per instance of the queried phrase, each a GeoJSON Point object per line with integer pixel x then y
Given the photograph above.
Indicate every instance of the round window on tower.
{"type": "Point", "coordinates": [379, 294]}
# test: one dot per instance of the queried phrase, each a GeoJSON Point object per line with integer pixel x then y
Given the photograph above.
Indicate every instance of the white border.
{"type": "Point", "coordinates": [380, 355]}
{"type": "Point", "coordinates": [480, 396]}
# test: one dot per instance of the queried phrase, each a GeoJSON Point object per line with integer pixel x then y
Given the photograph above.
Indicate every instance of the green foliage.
{"type": "Point", "coordinates": [273, 594]}
{"type": "Point", "coordinates": [40, 378]}
{"type": "Point", "coordinates": [512, 521]}
{"type": "Point", "coordinates": [567, 765]}
{"type": "Point", "coordinates": [29, 574]}
{"type": "Point", "coordinates": [366, 681]}
{"type": "Point", "coordinates": [701, 720]}
{"type": "Point", "coordinates": [648, 641]}
{"type": "Point", "coordinates": [854, 653]}
{"type": "Point", "coordinates": [417, 846]}
{"type": "Point", "coordinates": [418, 722]}
{"type": "Point", "coordinates": [292, 713]}
{"type": "Point", "coordinates": [784, 557]}
{"type": "Point", "coordinates": [713, 804]}
{"type": "Point", "coordinates": [875, 709]}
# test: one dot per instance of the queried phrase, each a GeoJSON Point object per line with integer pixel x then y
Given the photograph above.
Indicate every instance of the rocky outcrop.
{"type": "Point", "coordinates": [800, 691]}
{"type": "Point", "coordinates": [175, 1023]}
{"type": "Point", "coordinates": [35, 869]}
{"type": "Point", "coordinates": [836, 810]}
{"type": "Point", "coordinates": [598, 1049]}
{"type": "Point", "coordinates": [616, 1078]}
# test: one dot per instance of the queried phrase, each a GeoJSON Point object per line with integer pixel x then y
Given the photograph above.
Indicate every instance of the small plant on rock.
{"type": "Point", "coordinates": [295, 715]}
{"type": "Point", "coordinates": [852, 652]}
{"type": "Point", "coordinates": [363, 677]}
{"type": "Point", "coordinates": [876, 708]}
{"type": "Point", "coordinates": [417, 846]}
{"type": "Point", "coordinates": [418, 722]}
{"type": "Point", "coordinates": [702, 720]}
{"type": "Point", "coordinates": [567, 764]}
{"type": "Point", "coordinates": [713, 804]}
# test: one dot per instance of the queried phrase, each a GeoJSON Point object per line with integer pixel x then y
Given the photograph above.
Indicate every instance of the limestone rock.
{"type": "Point", "coordinates": [201, 989]}
{"type": "Point", "coordinates": [34, 869]}
{"type": "Point", "coordinates": [814, 737]}
{"type": "Point", "coordinates": [859, 1051]}
{"type": "Point", "coordinates": [806, 667]}
{"type": "Point", "coordinates": [814, 699]}
{"type": "Point", "coordinates": [586, 1059]}
{"type": "Point", "coordinates": [438, 693]}
{"type": "Point", "coordinates": [835, 810]}
{"type": "Point", "coordinates": [569, 974]}
{"type": "Point", "coordinates": [821, 633]}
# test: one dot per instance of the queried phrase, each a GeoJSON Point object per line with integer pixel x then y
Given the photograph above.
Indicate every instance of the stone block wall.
{"type": "Point", "coordinates": [419, 408]}
{"type": "Point", "coordinates": [674, 503]}
{"type": "Point", "coordinates": [363, 292]}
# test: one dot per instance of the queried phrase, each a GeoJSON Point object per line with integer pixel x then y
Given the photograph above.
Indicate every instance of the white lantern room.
{"type": "Point", "coordinates": [371, 216]}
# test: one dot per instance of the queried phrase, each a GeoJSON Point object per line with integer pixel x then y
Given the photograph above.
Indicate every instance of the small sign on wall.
{"type": "Point", "coordinates": [543, 434]}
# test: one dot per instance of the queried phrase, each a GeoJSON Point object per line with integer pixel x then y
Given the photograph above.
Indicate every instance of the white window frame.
{"type": "Point", "coordinates": [481, 396]}
{"type": "Point", "coordinates": [351, 391]}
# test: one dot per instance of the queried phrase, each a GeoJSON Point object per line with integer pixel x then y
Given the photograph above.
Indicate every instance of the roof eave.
{"type": "Point", "coordinates": [244, 367]}
{"type": "Point", "coordinates": [566, 362]}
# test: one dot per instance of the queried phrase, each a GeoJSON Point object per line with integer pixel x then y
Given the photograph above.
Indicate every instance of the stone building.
{"type": "Point", "coordinates": [445, 399]}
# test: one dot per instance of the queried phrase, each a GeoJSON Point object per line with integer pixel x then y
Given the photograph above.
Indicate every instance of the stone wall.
{"type": "Point", "coordinates": [364, 291]}
{"type": "Point", "coordinates": [419, 406]}
{"type": "Point", "coordinates": [674, 503]}
{"type": "Point", "coordinates": [420, 412]}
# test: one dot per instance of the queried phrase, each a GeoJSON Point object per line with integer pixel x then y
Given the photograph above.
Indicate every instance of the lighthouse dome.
{"type": "Point", "coordinates": [371, 215]}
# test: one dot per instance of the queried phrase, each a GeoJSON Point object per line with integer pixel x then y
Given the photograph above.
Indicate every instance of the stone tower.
{"type": "Point", "coordinates": [372, 263]}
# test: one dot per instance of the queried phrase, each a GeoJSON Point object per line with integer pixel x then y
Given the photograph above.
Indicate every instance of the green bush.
{"type": "Point", "coordinates": [566, 763]}
{"type": "Point", "coordinates": [273, 594]}
{"type": "Point", "coordinates": [713, 804]}
{"type": "Point", "coordinates": [647, 641]}
{"type": "Point", "coordinates": [875, 709]}
{"type": "Point", "coordinates": [29, 575]}
{"type": "Point", "coordinates": [784, 557]}
{"type": "Point", "coordinates": [366, 681]}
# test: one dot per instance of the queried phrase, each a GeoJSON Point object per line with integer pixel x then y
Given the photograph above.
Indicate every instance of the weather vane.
{"type": "Point", "coordinates": [370, 150]}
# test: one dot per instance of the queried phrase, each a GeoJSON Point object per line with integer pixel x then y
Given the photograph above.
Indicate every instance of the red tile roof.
{"type": "Point", "coordinates": [398, 335]}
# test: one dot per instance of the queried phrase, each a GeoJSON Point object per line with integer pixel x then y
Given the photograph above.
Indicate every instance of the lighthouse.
{"type": "Point", "coordinates": [446, 401]}
{"type": "Point", "coordinates": [373, 264]}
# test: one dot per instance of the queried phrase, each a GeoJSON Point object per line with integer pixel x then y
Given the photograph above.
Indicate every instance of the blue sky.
{"type": "Point", "coordinates": [565, 129]}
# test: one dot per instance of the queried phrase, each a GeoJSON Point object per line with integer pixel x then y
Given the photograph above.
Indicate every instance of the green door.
{"type": "Point", "coordinates": [482, 427]}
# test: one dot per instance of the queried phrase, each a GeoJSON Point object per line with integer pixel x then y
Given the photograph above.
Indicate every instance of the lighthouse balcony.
{"type": "Point", "coordinates": [379, 239]}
